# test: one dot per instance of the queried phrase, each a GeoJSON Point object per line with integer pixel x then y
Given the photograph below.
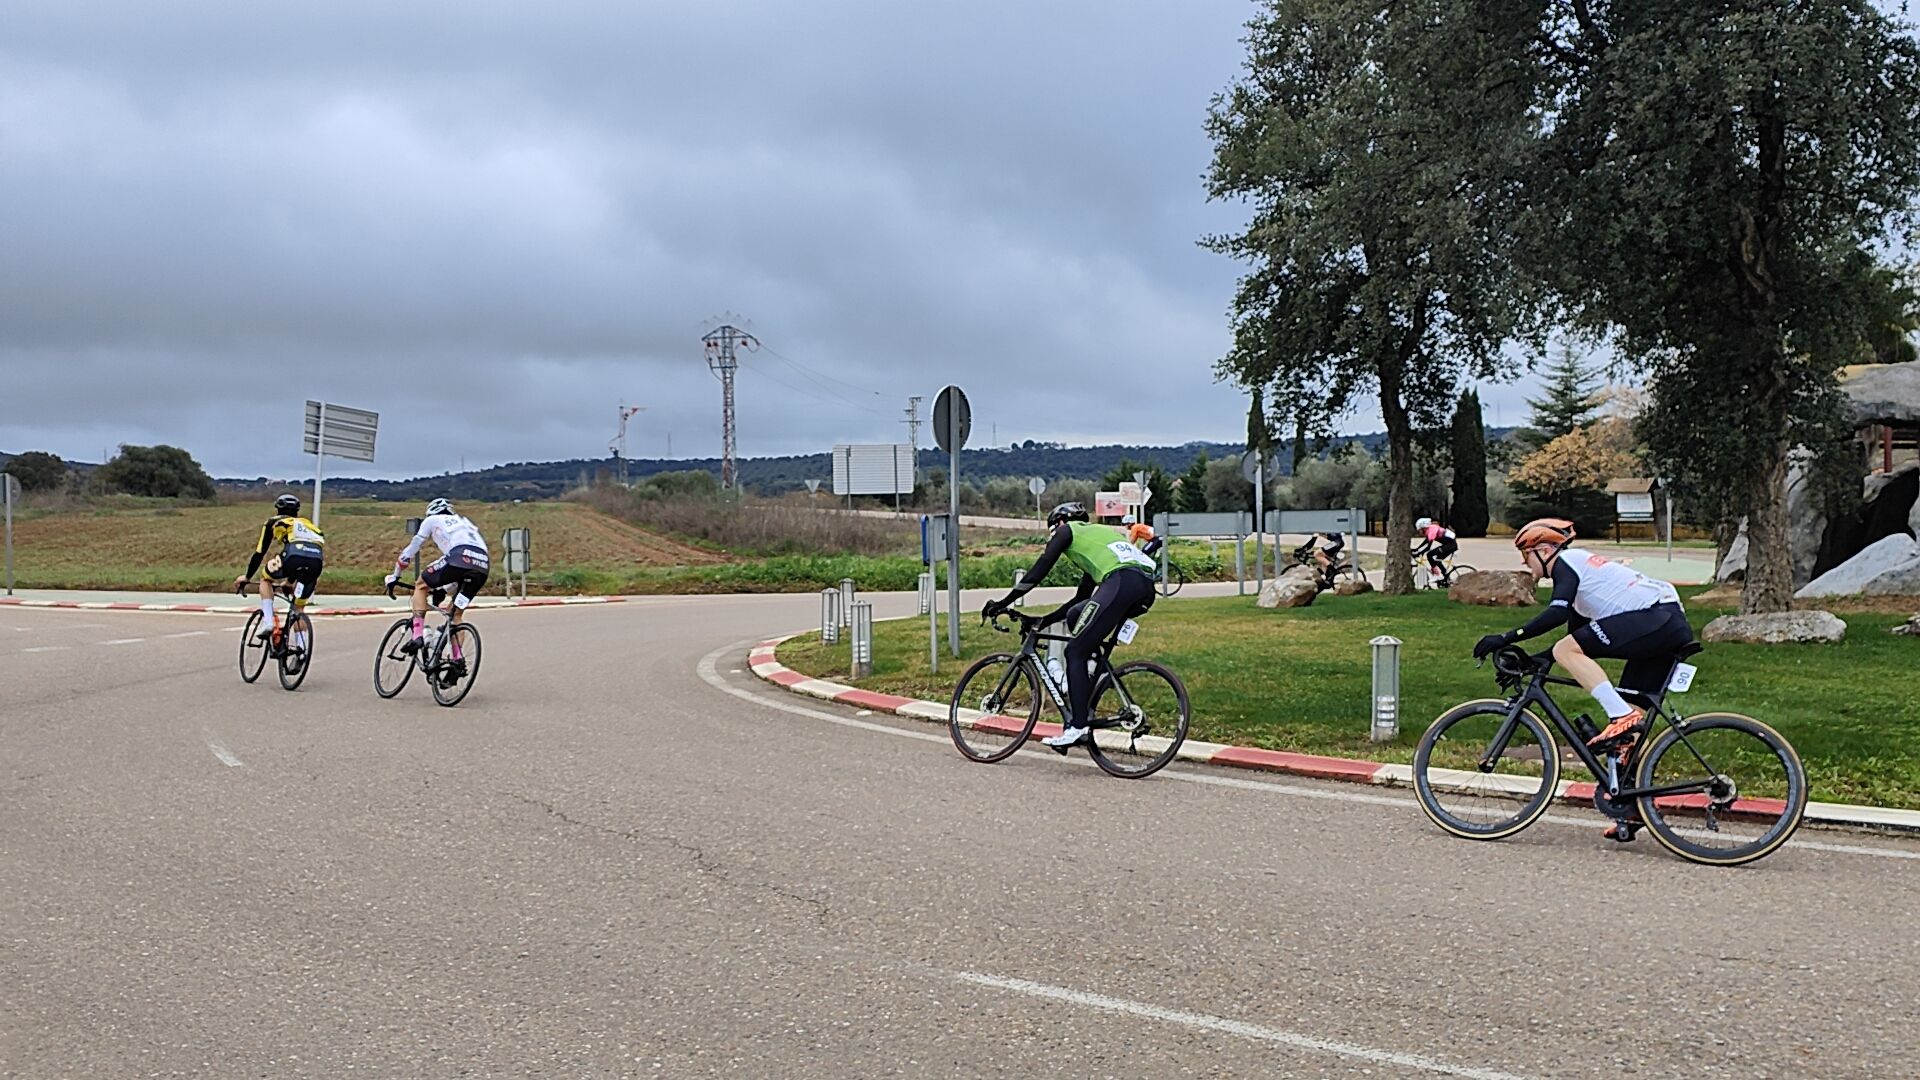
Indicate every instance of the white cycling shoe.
{"type": "Point", "coordinates": [1069, 738]}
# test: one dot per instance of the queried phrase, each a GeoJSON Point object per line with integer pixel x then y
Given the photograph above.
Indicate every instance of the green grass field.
{"type": "Point", "coordinates": [1300, 679]}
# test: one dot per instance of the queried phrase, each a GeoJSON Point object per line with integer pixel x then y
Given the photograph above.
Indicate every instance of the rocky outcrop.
{"type": "Point", "coordinates": [1496, 588]}
{"type": "Point", "coordinates": [1295, 588]}
{"type": "Point", "coordinates": [1897, 555]}
{"type": "Point", "coordinates": [1776, 628]}
{"type": "Point", "coordinates": [1883, 393]}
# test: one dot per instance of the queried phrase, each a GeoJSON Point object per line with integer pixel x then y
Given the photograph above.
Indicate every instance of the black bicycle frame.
{"type": "Point", "coordinates": [1029, 650]}
{"type": "Point", "coordinates": [1607, 776]}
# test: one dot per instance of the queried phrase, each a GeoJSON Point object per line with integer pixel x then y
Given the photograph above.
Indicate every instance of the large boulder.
{"type": "Point", "coordinates": [1889, 554]}
{"type": "Point", "coordinates": [1883, 393]}
{"type": "Point", "coordinates": [1902, 580]}
{"type": "Point", "coordinates": [1496, 588]}
{"type": "Point", "coordinates": [1290, 590]}
{"type": "Point", "coordinates": [1351, 587]}
{"type": "Point", "coordinates": [1776, 628]}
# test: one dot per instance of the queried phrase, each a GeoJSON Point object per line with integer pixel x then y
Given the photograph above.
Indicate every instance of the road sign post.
{"type": "Point", "coordinates": [11, 492]}
{"type": "Point", "coordinates": [338, 431]}
{"type": "Point", "coordinates": [1038, 487]}
{"type": "Point", "coordinates": [519, 549]}
{"type": "Point", "coordinates": [952, 423]}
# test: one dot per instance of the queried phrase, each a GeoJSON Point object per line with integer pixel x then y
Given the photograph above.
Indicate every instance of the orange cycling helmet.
{"type": "Point", "coordinates": [1556, 531]}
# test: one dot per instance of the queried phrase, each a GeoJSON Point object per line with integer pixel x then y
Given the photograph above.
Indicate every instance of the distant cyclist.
{"type": "Point", "coordinates": [1615, 612]}
{"type": "Point", "coordinates": [1140, 535]}
{"type": "Point", "coordinates": [298, 562]}
{"type": "Point", "coordinates": [1325, 548]}
{"type": "Point", "coordinates": [463, 564]}
{"type": "Point", "coordinates": [1437, 543]}
{"type": "Point", "coordinates": [1116, 584]}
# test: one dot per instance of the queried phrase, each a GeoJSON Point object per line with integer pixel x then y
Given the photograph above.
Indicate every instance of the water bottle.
{"type": "Point", "coordinates": [1586, 727]}
{"type": "Point", "coordinates": [432, 639]}
{"type": "Point", "coordinates": [1057, 671]}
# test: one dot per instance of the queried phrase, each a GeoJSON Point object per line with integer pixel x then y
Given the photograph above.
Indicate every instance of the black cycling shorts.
{"type": "Point", "coordinates": [1646, 639]}
{"type": "Point", "coordinates": [465, 566]}
{"type": "Point", "coordinates": [300, 570]}
{"type": "Point", "coordinates": [1442, 548]}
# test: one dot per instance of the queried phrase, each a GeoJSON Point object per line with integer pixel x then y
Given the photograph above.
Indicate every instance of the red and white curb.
{"type": "Point", "coordinates": [764, 664]}
{"type": "Point", "coordinates": [242, 609]}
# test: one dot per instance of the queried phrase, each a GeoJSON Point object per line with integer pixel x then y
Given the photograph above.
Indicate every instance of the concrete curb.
{"type": "Point", "coordinates": [242, 609]}
{"type": "Point", "coordinates": [765, 666]}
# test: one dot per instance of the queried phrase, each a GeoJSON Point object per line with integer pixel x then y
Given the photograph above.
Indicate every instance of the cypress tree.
{"type": "Point", "coordinates": [1470, 513]}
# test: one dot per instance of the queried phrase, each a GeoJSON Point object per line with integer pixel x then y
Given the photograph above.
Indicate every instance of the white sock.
{"type": "Point", "coordinates": [1610, 700]}
{"type": "Point", "coordinates": [266, 612]}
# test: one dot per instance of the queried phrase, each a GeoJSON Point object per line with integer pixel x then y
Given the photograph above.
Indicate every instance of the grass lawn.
{"type": "Point", "coordinates": [1300, 679]}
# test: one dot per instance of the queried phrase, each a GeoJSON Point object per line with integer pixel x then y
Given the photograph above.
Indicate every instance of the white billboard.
{"type": "Point", "coordinates": [873, 469]}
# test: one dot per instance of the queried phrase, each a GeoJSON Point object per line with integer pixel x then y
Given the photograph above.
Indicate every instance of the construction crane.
{"type": "Point", "coordinates": [618, 447]}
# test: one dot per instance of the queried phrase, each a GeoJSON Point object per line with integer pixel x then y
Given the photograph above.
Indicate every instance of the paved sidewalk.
{"type": "Point", "coordinates": [765, 665]}
{"type": "Point", "coordinates": [230, 604]}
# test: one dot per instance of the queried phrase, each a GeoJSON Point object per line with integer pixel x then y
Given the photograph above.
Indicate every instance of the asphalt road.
{"type": "Point", "coordinates": [622, 856]}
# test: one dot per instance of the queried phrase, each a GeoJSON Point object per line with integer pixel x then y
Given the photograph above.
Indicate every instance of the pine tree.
{"type": "Point", "coordinates": [1191, 497]}
{"type": "Point", "coordinates": [1470, 513]}
{"type": "Point", "coordinates": [1568, 403]}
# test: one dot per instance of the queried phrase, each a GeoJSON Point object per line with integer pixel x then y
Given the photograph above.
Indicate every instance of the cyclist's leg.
{"type": "Point", "coordinates": [1630, 635]}
{"type": "Point", "coordinates": [1113, 602]}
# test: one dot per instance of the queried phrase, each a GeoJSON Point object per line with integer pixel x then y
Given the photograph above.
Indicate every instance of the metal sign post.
{"type": "Point", "coordinates": [341, 432]}
{"type": "Point", "coordinates": [1255, 470]}
{"type": "Point", "coordinates": [12, 489]}
{"type": "Point", "coordinates": [952, 423]}
{"type": "Point", "coordinates": [519, 546]}
{"type": "Point", "coordinates": [1038, 487]}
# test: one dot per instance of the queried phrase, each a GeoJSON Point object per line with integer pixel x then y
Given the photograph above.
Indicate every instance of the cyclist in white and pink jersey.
{"type": "Point", "coordinates": [1437, 543]}
{"type": "Point", "coordinates": [1615, 611]}
{"type": "Point", "coordinates": [462, 563]}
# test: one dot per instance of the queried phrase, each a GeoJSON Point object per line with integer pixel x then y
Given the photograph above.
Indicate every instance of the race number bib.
{"type": "Point", "coordinates": [298, 533]}
{"type": "Point", "coordinates": [1127, 630]}
{"type": "Point", "coordinates": [1682, 678]}
{"type": "Point", "coordinates": [1130, 555]}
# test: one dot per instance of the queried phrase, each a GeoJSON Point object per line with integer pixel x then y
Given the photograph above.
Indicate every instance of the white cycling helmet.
{"type": "Point", "coordinates": [439, 506]}
{"type": "Point", "coordinates": [1421, 524]}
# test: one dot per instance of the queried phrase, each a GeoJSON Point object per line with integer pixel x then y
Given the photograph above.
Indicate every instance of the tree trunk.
{"type": "Point", "coordinates": [1769, 583]}
{"type": "Point", "coordinates": [1399, 572]}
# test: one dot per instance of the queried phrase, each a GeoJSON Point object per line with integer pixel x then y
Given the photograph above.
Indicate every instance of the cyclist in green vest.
{"type": "Point", "coordinates": [1116, 584]}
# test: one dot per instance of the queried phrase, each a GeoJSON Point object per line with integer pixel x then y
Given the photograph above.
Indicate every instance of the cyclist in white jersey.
{"type": "Point", "coordinates": [463, 563]}
{"type": "Point", "coordinates": [1615, 612]}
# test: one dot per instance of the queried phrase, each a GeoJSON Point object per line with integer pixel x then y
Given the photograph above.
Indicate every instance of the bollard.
{"type": "Point", "coordinates": [1386, 689]}
{"type": "Point", "coordinates": [862, 639]}
{"type": "Point", "coordinates": [1022, 600]}
{"type": "Point", "coordinates": [926, 594]}
{"type": "Point", "coordinates": [829, 616]}
{"type": "Point", "coordinates": [846, 601]}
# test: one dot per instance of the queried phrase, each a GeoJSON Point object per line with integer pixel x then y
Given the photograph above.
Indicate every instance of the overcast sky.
{"type": "Point", "coordinates": [494, 222]}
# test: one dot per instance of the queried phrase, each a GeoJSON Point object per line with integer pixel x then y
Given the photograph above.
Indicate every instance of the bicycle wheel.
{"type": "Point", "coordinates": [253, 652]}
{"type": "Point", "coordinates": [1456, 572]}
{"type": "Point", "coordinates": [1151, 704]}
{"type": "Point", "coordinates": [455, 666]}
{"type": "Point", "coordinates": [994, 707]}
{"type": "Point", "coordinates": [1465, 796]}
{"type": "Point", "coordinates": [391, 667]}
{"type": "Point", "coordinates": [1173, 581]}
{"type": "Point", "coordinates": [1751, 789]}
{"type": "Point", "coordinates": [1351, 572]}
{"type": "Point", "coordinates": [297, 655]}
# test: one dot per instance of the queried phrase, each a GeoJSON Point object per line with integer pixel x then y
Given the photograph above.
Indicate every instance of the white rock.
{"type": "Point", "coordinates": [1776, 628]}
{"type": "Point", "coordinates": [1852, 577]}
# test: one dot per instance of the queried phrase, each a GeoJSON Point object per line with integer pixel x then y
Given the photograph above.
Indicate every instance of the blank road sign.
{"type": "Point", "coordinates": [952, 420]}
{"type": "Point", "coordinates": [349, 432]}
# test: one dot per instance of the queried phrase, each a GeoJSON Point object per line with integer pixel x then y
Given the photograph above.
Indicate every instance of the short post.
{"type": "Point", "coordinates": [1021, 600]}
{"type": "Point", "coordinates": [926, 593]}
{"type": "Point", "coordinates": [829, 616]}
{"type": "Point", "coordinates": [1240, 564]}
{"type": "Point", "coordinates": [1386, 688]}
{"type": "Point", "coordinates": [846, 601]}
{"type": "Point", "coordinates": [8, 483]}
{"type": "Point", "coordinates": [862, 639]}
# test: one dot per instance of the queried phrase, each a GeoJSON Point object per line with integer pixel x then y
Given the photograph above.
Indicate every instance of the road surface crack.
{"type": "Point", "coordinates": [702, 863]}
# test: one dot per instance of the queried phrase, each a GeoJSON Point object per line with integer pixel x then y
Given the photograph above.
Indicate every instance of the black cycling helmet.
{"type": "Point", "coordinates": [287, 504]}
{"type": "Point", "coordinates": [1067, 511]}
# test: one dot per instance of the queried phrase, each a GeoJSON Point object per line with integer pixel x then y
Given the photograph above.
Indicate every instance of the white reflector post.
{"type": "Point", "coordinates": [1386, 688]}
{"type": "Point", "coordinates": [846, 601]}
{"type": "Point", "coordinates": [1021, 601]}
{"type": "Point", "coordinates": [829, 616]}
{"type": "Point", "coordinates": [926, 593]}
{"type": "Point", "coordinates": [862, 639]}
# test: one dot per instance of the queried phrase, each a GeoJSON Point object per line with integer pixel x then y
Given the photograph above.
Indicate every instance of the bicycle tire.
{"type": "Point", "coordinates": [1135, 762]}
{"type": "Point", "coordinates": [994, 736]}
{"type": "Point", "coordinates": [1455, 573]}
{"type": "Point", "coordinates": [1351, 572]}
{"type": "Point", "coordinates": [390, 643]}
{"type": "Point", "coordinates": [1530, 786]}
{"type": "Point", "coordinates": [293, 664]}
{"type": "Point", "coordinates": [1675, 821]}
{"type": "Point", "coordinates": [1174, 580]}
{"type": "Point", "coordinates": [468, 638]}
{"type": "Point", "coordinates": [250, 644]}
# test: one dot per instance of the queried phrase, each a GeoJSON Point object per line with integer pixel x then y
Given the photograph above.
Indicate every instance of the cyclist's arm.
{"type": "Point", "coordinates": [1057, 545]}
{"type": "Point", "coordinates": [1422, 548]}
{"type": "Point", "coordinates": [412, 549]}
{"type": "Point", "coordinates": [1566, 583]}
{"type": "Point", "coordinates": [260, 549]}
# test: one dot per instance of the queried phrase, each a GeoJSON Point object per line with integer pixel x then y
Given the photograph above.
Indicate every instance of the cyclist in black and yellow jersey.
{"type": "Point", "coordinates": [299, 560]}
{"type": "Point", "coordinates": [1116, 584]}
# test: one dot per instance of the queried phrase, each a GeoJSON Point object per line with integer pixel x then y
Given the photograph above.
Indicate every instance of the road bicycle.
{"type": "Point", "coordinates": [448, 656]}
{"type": "Point", "coordinates": [1340, 571]}
{"type": "Point", "coordinates": [1716, 788]}
{"type": "Point", "coordinates": [1170, 579]}
{"type": "Point", "coordinates": [1140, 709]}
{"type": "Point", "coordinates": [1450, 572]}
{"type": "Point", "coordinates": [294, 654]}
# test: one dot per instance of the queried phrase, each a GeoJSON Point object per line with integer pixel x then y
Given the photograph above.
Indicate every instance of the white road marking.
{"type": "Point", "coordinates": [46, 648]}
{"type": "Point", "coordinates": [1232, 1027]}
{"type": "Point", "coordinates": [223, 754]}
{"type": "Point", "coordinates": [188, 633]}
{"type": "Point", "coordinates": [121, 641]}
{"type": "Point", "coordinates": [709, 671]}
